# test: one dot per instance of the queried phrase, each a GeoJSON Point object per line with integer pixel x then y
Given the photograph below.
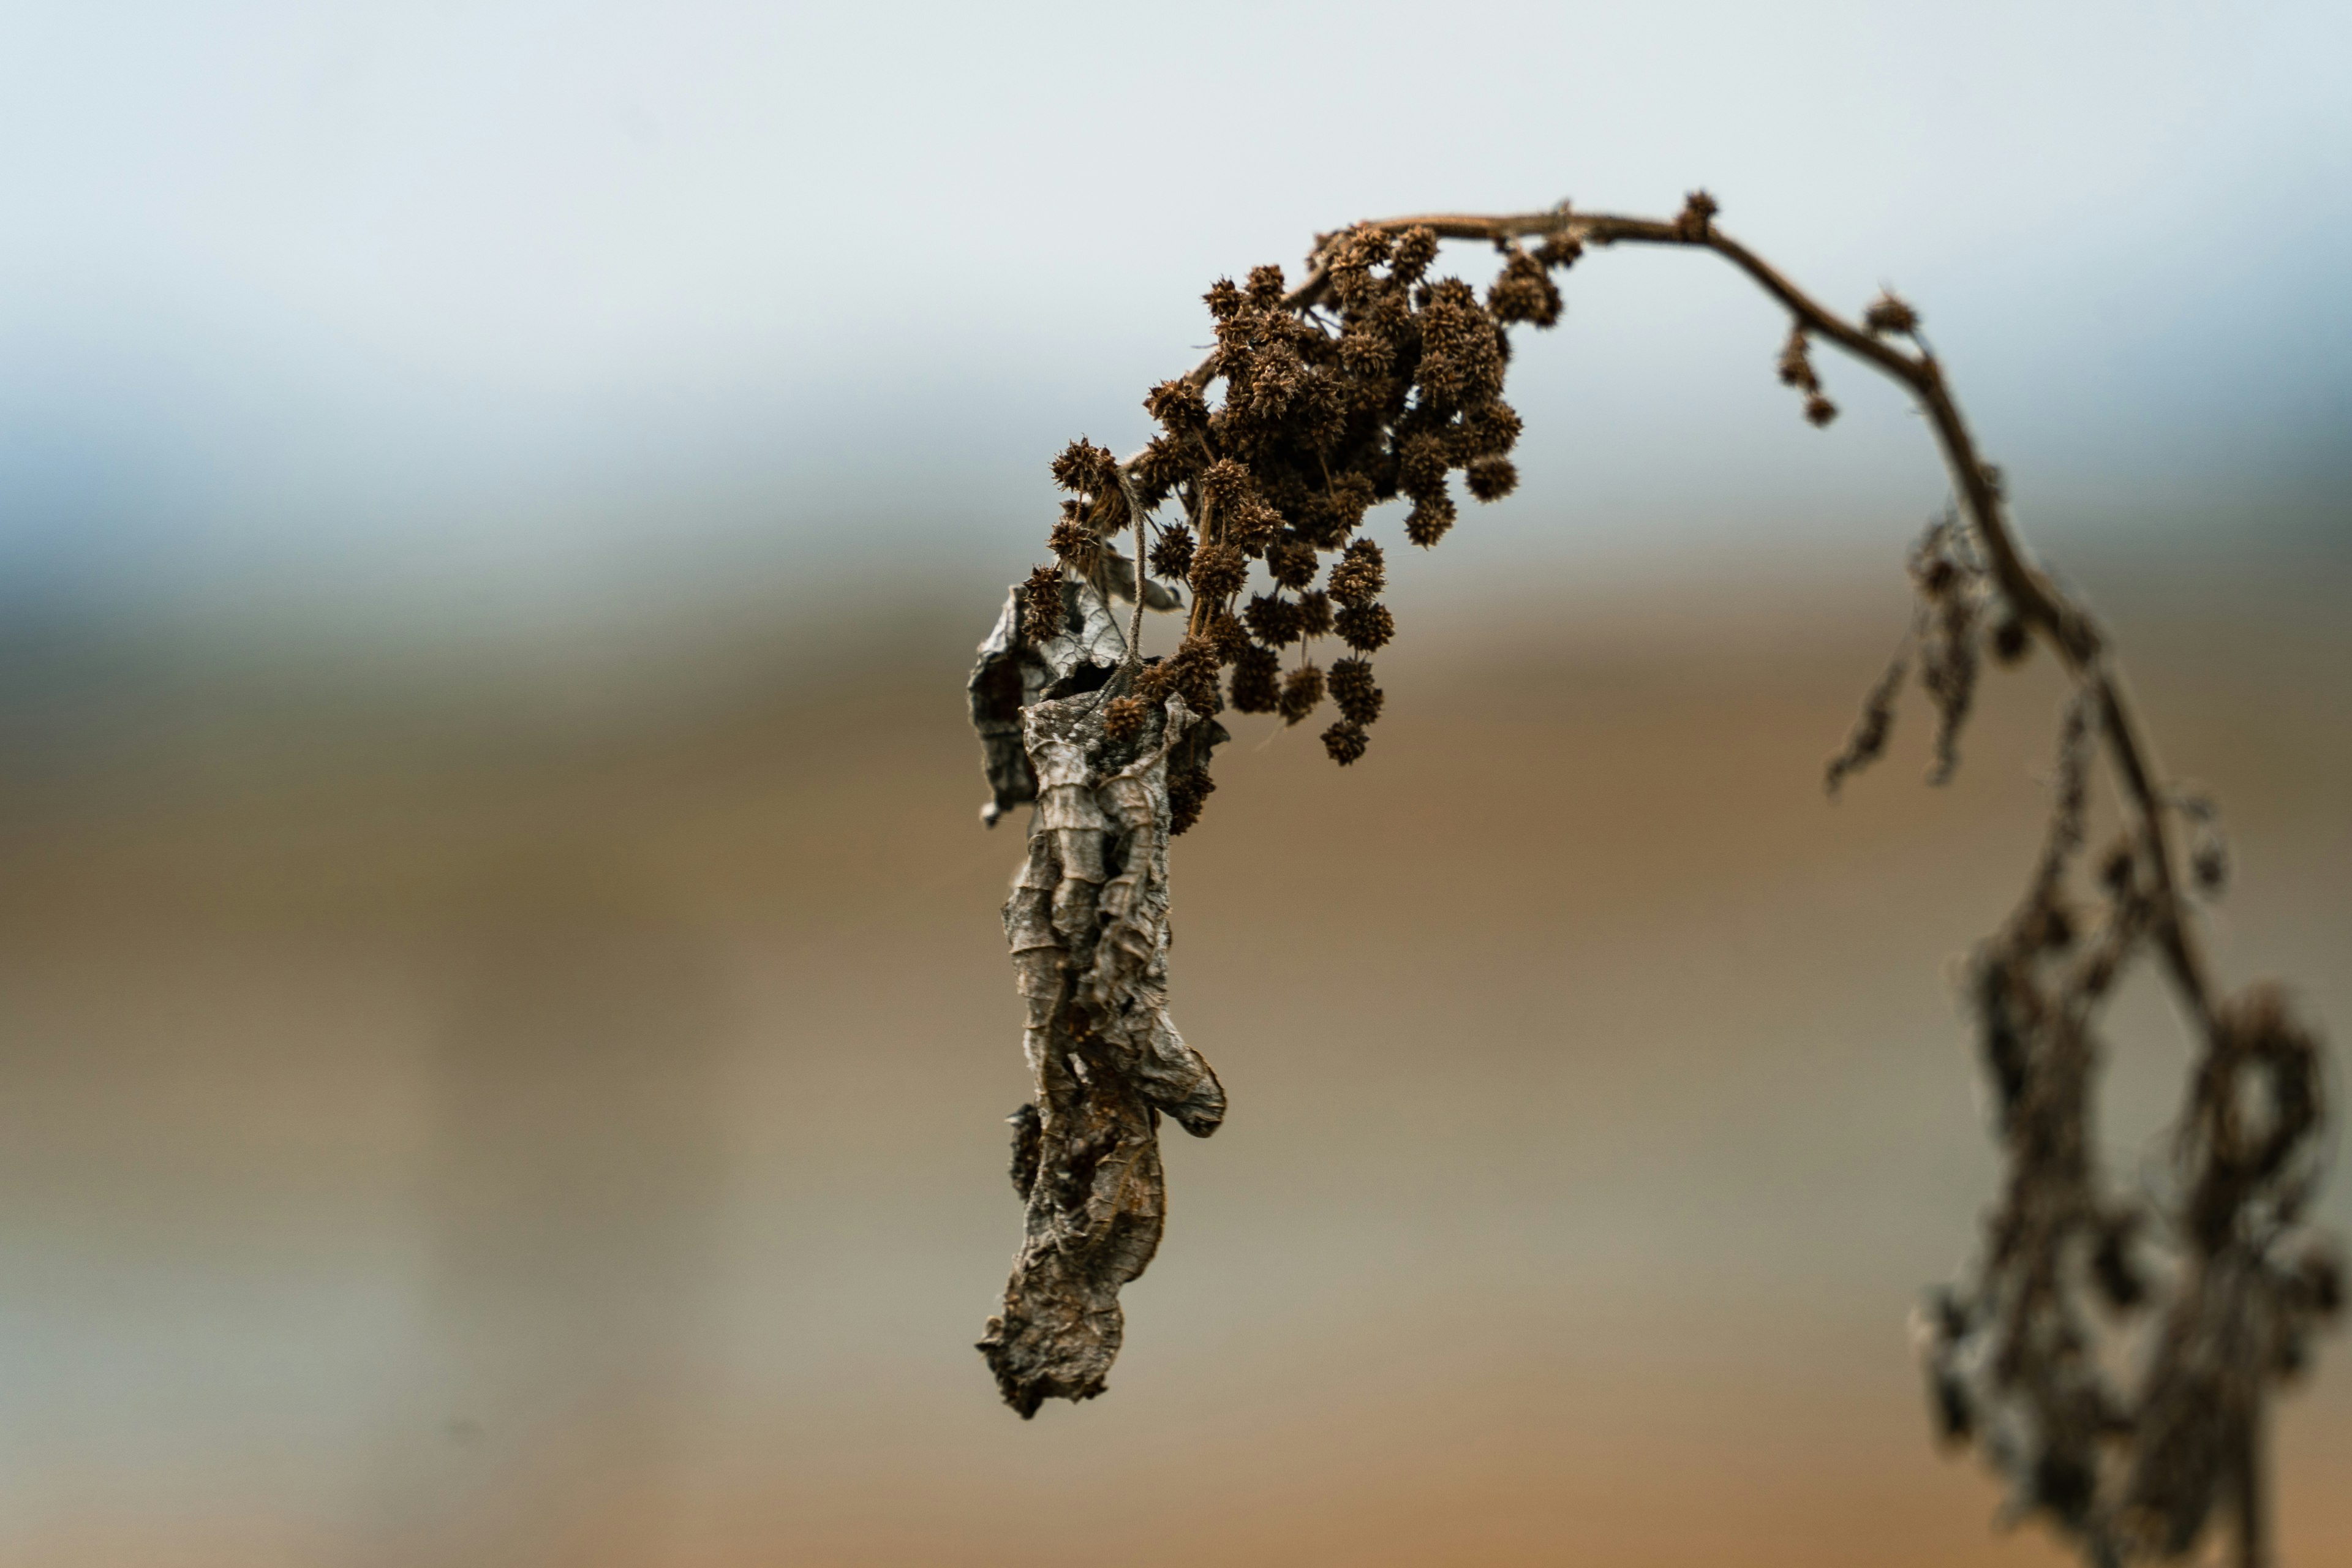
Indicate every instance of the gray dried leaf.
{"type": "Point", "coordinates": [1087, 924]}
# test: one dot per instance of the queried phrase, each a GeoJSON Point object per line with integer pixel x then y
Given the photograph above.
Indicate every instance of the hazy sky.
{"type": "Point", "coordinates": [320, 302]}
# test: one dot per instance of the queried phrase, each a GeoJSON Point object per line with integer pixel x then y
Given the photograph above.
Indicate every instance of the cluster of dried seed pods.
{"type": "Point", "coordinates": [1369, 382]}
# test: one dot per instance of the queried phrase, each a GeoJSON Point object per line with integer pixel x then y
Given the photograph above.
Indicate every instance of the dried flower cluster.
{"type": "Point", "coordinates": [2112, 1352]}
{"type": "Point", "coordinates": [1371, 381]}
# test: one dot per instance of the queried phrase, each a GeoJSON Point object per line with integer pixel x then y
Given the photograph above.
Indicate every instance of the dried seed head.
{"type": "Point", "coordinates": [1490, 478]}
{"type": "Point", "coordinates": [1252, 524]}
{"type": "Point", "coordinates": [1193, 674]}
{"type": "Point", "coordinates": [1290, 561]}
{"type": "Point", "coordinates": [1819, 410]}
{"type": "Point", "coordinates": [1043, 614]}
{"type": "Point", "coordinates": [1345, 743]}
{"type": "Point", "coordinates": [1265, 287]}
{"type": "Point", "coordinates": [1416, 247]}
{"type": "Point", "coordinates": [1314, 612]}
{"type": "Point", "coordinates": [1373, 243]}
{"type": "Point", "coordinates": [1352, 495]}
{"type": "Point", "coordinates": [1123, 718]}
{"type": "Point", "coordinates": [1158, 468]}
{"type": "Point", "coordinates": [1224, 481]}
{"type": "Point", "coordinates": [1524, 292]}
{"type": "Point", "coordinates": [1227, 634]}
{"type": "Point", "coordinates": [1178, 406]}
{"type": "Point", "coordinates": [1697, 217]}
{"type": "Point", "coordinates": [1302, 693]}
{"type": "Point", "coordinates": [1491, 427]}
{"type": "Point", "coordinates": [1086, 468]}
{"type": "Point", "coordinates": [1429, 519]}
{"type": "Point", "coordinates": [1171, 553]}
{"type": "Point", "coordinates": [1367, 629]}
{"type": "Point", "coordinates": [1188, 791]}
{"type": "Point", "coordinates": [1420, 466]}
{"type": "Point", "coordinates": [1256, 681]}
{"type": "Point", "coordinates": [1889, 315]}
{"type": "Point", "coordinates": [1224, 299]}
{"type": "Point", "coordinates": [1273, 620]}
{"type": "Point", "coordinates": [1359, 574]}
{"type": "Point", "coordinates": [1560, 250]}
{"type": "Point", "coordinates": [1218, 571]}
{"type": "Point", "coordinates": [1079, 546]}
{"type": "Point", "coordinates": [1352, 690]}
{"type": "Point", "coordinates": [1796, 362]}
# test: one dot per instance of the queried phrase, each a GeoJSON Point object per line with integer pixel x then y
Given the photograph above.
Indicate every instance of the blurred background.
{"type": "Point", "coordinates": [503, 1023]}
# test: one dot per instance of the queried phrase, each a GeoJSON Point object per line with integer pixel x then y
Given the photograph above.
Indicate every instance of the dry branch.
{"type": "Point", "coordinates": [1370, 381]}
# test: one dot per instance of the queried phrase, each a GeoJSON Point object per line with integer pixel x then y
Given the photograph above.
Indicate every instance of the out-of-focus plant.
{"type": "Point", "coordinates": [2109, 1352]}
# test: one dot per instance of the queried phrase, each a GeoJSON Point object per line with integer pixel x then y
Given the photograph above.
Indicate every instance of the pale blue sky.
{"type": "Point", "coordinates": [326, 304]}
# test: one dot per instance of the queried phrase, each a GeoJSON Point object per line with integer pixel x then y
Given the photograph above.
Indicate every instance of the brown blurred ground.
{"type": "Point", "coordinates": [436, 1141]}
